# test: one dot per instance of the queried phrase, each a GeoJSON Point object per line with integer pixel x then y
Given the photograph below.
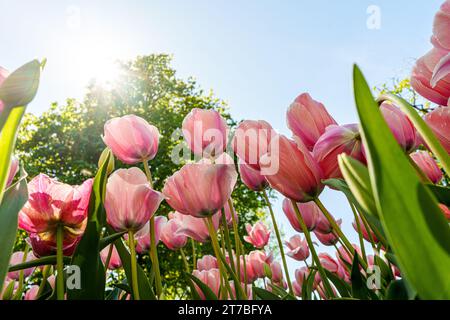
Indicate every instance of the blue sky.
{"type": "Point", "coordinates": [257, 55]}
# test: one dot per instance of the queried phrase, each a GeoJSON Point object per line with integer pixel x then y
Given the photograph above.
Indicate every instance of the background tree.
{"type": "Point", "coordinates": [65, 141]}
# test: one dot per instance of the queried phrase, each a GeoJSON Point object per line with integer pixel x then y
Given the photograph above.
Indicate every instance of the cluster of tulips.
{"type": "Point", "coordinates": [56, 215]}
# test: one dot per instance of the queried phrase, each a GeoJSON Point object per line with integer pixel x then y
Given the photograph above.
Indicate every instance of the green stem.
{"type": "Point", "coordinates": [236, 238]}
{"type": "Point", "coordinates": [148, 173]}
{"type": "Point", "coordinates": [358, 228]}
{"type": "Point", "coordinates": [338, 230]}
{"type": "Point", "coordinates": [134, 279]}
{"type": "Point", "coordinates": [280, 244]}
{"type": "Point", "coordinates": [108, 258]}
{"type": "Point", "coordinates": [154, 256]}
{"type": "Point", "coordinates": [59, 262]}
{"type": "Point", "coordinates": [194, 254]}
{"type": "Point", "coordinates": [323, 275]}
{"type": "Point", "coordinates": [45, 273]}
{"type": "Point", "coordinates": [186, 264]}
{"type": "Point", "coordinates": [227, 239]}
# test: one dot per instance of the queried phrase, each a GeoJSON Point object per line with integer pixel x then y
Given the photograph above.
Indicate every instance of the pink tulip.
{"type": "Point", "coordinates": [297, 289]}
{"type": "Point", "coordinates": [308, 119]}
{"type": "Point", "coordinates": [207, 262]}
{"type": "Point", "coordinates": [13, 169]}
{"type": "Point", "coordinates": [170, 235]}
{"type": "Point", "coordinates": [52, 203]}
{"type": "Point", "coordinates": [205, 131]}
{"type": "Point", "coordinates": [422, 76]}
{"type": "Point", "coordinates": [336, 140]}
{"type": "Point", "coordinates": [402, 128]}
{"type": "Point", "coordinates": [299, 175]}
{"type": "Point", "coordinates": [246, 273]}
{"type": "Point", "coordinates": [130, 202]}
{"type": "Point", "coordinates": [441, 26]}
{"type": "Point", "coordinates": [298, 248]}
{"type": "Point", "coordinates": [3, 75]}
{"type": "Point", "coordinates": [200, 189]}
{"type": "Point", "coordinates": [347, 259]}
{"type": "Point", "coordinates": [445, 211]}
{"type": "Point", "coordinates": [277, 272]}
{"type": "Point", "coordinates": [428, 165]}
{"type": "Point", "coordinates": [18, 258]}
{"type": "Point", "coordinates": [365, 233]}
{"type": "Point", "coordinates": [252, 178]}
{"type": "Point", "coordinates": [31, 294]}
{"type": "Point", "coordinates": [330, 238]}
{"type": "Point", "coordinates": [331, 265]}
{"type": "Point", "coordinates": [114, 261]}
{"type": "Point", "coordinates": [322, 224]}
{"type": "Point", "coordinates": [308, 210]}
{"type": "Point", "coordinates": [321, 290]}
{"type": "Point", "coordinates": [143, 236]}
{"type": "Point", "coordinates": [43, 248]}
{"type": "Point", "coordinates": [131, 139]}
{"type": "Point", "coordinates": [193, 227]}
{"type": "Point", "coordinates": [247, 288]}
{"type": "Point", "coordinates": [252, 140]}
{"type": "Point", "coordinates": [258, 235]}
{"type": "Point", "coordinates": [211, 278]}
{"type": "Point", "coordinates": [302, 274]}
{"type": "Point", "coordinates": [439, 121]}
{"type": "Point", "coordinates": [257, 260]}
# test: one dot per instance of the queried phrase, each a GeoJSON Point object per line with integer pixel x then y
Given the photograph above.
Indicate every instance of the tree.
{"type": "Point", "coordinates": [65, 141]}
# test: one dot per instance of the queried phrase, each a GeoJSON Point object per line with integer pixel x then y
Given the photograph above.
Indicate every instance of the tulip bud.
{"type": "Point", "coordinates": [309, 211]}
{"type": "Point", "coordinates": [107, 153]}
{"type": "Point", "coordinates": [13, 169]}
{"type": "Point", "coordinates": [142, 237]}
{"type": "Point", "coordinates": [252, 178]}
{"type": "Point", "coordinates": [428, 165]}
{"type": "Point", "coordinates": [328, 239]}
{"type": "Point", "coordinates": [439, 121]}
{"type": "Point", "coordinates": [445, 211]}
{"type": "Point", "coordinates": [211, 278]}
{"type": "Point", "coordinates": [18, 258]}
{"type": "Point", "coordinates": [171, 237]}
{"type": "Point", "coordinates": [114, 261]}
{"type": "Point", "coordinates": [31, 294]}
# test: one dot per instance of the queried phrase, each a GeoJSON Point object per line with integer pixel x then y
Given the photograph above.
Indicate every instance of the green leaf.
{"type": "Point", "coordinates": [342, 287]}
{"type": "Point", "coordinates": [441, 193]}
{"type": "Point", "coordinates": [415, 226]}
{"type": "Point", "coordinates": [397, 291]}
{"type": "Point", "coordinates": [106, 241]}
{"type": "Point", "coordinates": [359, 285]}
{"type": "Point", "coordinates": [264, 294]}
{"type": "Point", "coordinates": [307, 285]}
{"type": "Point", "coordinates": [14, 199]}
{"type": "Point", "coordinates": [207, 292]}
{"type": "Point", "coordinates": [87, 253]}
{"type": "Point", "coordinates": [49, 260]}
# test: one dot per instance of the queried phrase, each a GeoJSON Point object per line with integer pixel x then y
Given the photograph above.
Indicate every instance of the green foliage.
{"type": "Point", "coordinates": [65, 141]}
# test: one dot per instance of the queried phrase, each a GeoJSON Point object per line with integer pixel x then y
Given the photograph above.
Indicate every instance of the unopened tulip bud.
{"type": "Point", "coordinates": [308, 210]}
{"type": "Point", "coordinates": [439, 121]}
{"type": "Point", "coordinates": [110, 166]}
{"type": "Point", "coordinates": [428, 165]}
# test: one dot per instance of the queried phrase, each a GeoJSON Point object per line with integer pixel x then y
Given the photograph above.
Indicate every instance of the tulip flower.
{"type": "Point", "coordinates": [31, 294]}
{"type": "Point", "coordinates": [308, 119]}
{"type": "Point", "coordinates": [3, 75]}
{"type": "Point", "coordinates": [336, 140]}
{"type": "Point", "coordinates": [200, 189]}
{"type": "Point", "coordinates": [328, 239]}
{"type": "Point", "coordinates": [428, 165]}
{"type": "Point", "coordinates": [130, 202]}
{"type": "Point", "coordinates": [143, 235]}
{"type": "Point", "coordinates": [299, 175]}
{"type": "Point", "coordinates": [247, 273]}
{"type": "Point", "coordinates": [297, 289]}
{"type": "Point", "coordinates": [44, 248]}
{"type": "Point", "coordinates": [252, 140]}
{"type": "Point", "coordinates": [402, 128]}
{"type": "Point", "coordinates": [13, 169]}
{"type": "Point", "coordinates": [308, 210]}
{"type": "Point", "coordinates": [322, 224]}
{"type": "Point", "coordinates": [347, 259]}
{"type": "Point", "coordinates": [211, 278]}
{"type": "Point", "coordinates": [131, 139]}
{"type": "Point", "coordinates": [257, 261]}
{"type": "Point", "coordinates": [247, 288]}
{"type": "Point", "coordinates": [321, 290]}
{"type": "Point", "coordinates": [439, 121]}
{"type": "Point", "coordinates": [205, 131]}
{"type": "Point", "coordinates": [114, 259]}
{"type": "Point", "coordinates": [303, 273]}
{"type": "Point", "coordinates": [277, 272]}
{"type": "Point", "coordinates": [422, 77]}
{"type": "Point", "coordinates": [192, 227]}
{"type": "Point", "coordinates": [258, 235]}
{"type": "Point", "coordinates": [365, 233]}
{"type": "Point", "coordinates": [207, 262]}
{"type": "Point", "coordinates": [298, 248]}
{"type": "Point", "coordinates": [52, 204]}
{"type": "Point", "coordinates": [170, 235]}
{"type": "Point", "coordinates": [18, 258]}
{"type": "Point", "coordinates": [331, 265]}
{"type": "Point", "coordinates": [252, 178]}
{"type": "Point", "coordinates": [441, 25]}
{"type": "Point", "coordinates": [445, 211]}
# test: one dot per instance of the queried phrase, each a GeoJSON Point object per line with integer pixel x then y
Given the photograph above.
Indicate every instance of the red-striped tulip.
{"type": "Point", "coordinates": [13, 169]}
{"type": "Point", "coordinates": [309, 211]}
{"type": "Point", "coordinates": [252, 178]}
{"type": "Point", "coordinates": [131, 139]}
{"type": "Point", "coordinates": [143, 236]}
{"type": "Point", "coordinates": [308, 119]}
{"type": "Point", "coordinates": [439, 121]}
{"type": "Point", "coordinates": [298, 248]}
{"type": "Point", "coordinates": [428, 165]}
{"type": "Point", "coordinates": [205, 131]}
{"type": "Point", "coordinates": [18, 258]}
{"type": "Point", "coordinates": [43, 248]}
{"type": "Point", "coordinates": [52, 203]}
{"type": "Point", "coordinates": [336, 140]}
{"type": "Point", "coordinates": [130, 202]}
{"type": "Point", "coordinates": [193, 227]}
{"type": "Point", "coordinates": [299, 175]}
{"type": "Point", "coordinates": [402, 128]}
{"type": "Point", "coordinates": [170, 235]}
{"type": "Point", "coordinates": [258, 235]}
{"type": "Point", "coordinates": [200, 189]}
{"type": "Point", "coordinates": [252, 140]}
{"type": "Point", "coordinates": [211, 278]}
{"type": "Point", "coordinates": [114, 261]}
{"type": "Point", "coordinates": [207, 262]}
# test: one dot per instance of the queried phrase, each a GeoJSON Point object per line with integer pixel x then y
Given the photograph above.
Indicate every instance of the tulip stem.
{"type": "Point", "coordinates": [280, 243]}
{"type": "Point", "coordinates": [236, 238]}
{"type": "Point", "coordinates": [194, 254]}
{"type": "Point", "coordinates": [134, 280]}
{"type": "Point", "coordinates": [338, 231]}
{"type": "Point", "coordinates": [148, 173]}
{"type": "Point", "coordinates": [186, 264]}
{"type": "Point", "coordinates": [358, 228]}
{"type": "Point", "coordinates": [59, 263]}
{"type": "Point", "coordinates": [108, 258]}
{"type": "Point", "coordinates": [45, 273]}
{"type": "Point", "coordinates": [315, 257]}
{"type": "Point", "coordinates": [154, 257]}
{"type": "Point", "coordinates": [226, 234]}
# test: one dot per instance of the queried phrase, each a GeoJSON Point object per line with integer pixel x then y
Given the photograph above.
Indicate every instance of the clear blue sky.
{"type": "Point", "coordinates": [255, 54]}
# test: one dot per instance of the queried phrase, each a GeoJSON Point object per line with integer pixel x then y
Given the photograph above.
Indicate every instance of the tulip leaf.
{"type": "Point", "coordinates": [106, 241]}
{"type": "Point", "coordinates": [359, 283]}
{"type": "Point", "coordinates": [441, 193]}
{"type": "Point", "coordinates": [307, 285]}
{"type": "Point", "coordinates": [397, 291]}
{"type": "Point", "coordinates": [342, 287]}
{"type": "Point", "coordinates": [207, 292]}
{"type": "Point", "coordinates": [48, 260]}
{"type": "Point", "coordinates": [263, 294]}
{"type": "Point", "coordinates": [415, 227]}
{"type": "Point", "coordinates": [14, 199]}
{"type": "Point", "coordinates": [87, 253]}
